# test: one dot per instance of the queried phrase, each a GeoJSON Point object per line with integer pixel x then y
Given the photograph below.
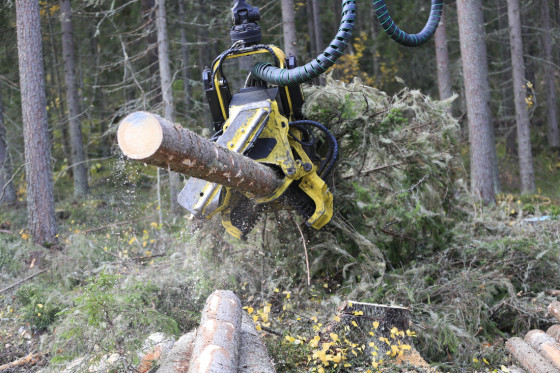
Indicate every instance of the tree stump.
{"type": "Point", "coordinates": [374, 332]}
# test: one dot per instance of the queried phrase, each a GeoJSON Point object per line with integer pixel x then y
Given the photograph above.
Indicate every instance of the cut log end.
{"type": "Point", "coordinates": [140, 135]}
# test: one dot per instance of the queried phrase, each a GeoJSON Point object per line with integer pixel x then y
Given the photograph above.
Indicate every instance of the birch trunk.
{"type": "Point", "coordinates": [520, 96]}
{"type": "Point", "coordinates": [40, 200]}
{"type": "Point", "coordinates": [289, 27]}
{"type": "Point", "coordinates": [76, 141]}
{"type": "Point", "coordinates": [477, 92]}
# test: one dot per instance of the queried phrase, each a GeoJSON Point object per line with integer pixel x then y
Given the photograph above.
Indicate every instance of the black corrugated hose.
{"type": "Point", "coordinates": [311, 70]}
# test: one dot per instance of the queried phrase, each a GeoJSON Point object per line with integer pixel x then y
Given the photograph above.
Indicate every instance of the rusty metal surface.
{"type": "Point", "coordinates": [186, 152]}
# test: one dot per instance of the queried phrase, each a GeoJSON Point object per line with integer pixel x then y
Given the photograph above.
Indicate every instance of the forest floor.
{"type": "Point", "coordinates": [126, 268]}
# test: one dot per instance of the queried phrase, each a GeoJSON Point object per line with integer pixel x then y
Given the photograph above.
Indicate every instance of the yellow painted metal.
{"type": "Point", "coordinates": [217, 76]}
{"type": "Point", "coordinates": [281, 156]}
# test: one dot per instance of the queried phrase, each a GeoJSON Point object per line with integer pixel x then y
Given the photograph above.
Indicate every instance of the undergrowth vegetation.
{"type": "Point", "coordinates": [405, 233]}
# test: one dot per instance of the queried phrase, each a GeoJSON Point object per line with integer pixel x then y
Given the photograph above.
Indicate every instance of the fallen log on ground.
{"type": "Point", "coordinates": [225, 342]}
{"type": "Point", "coordinates": [528, 357]}
{"type": "Point", "coordinates": [554, 332]}
{"type": "Point", "coordinates": [28, 360]}
{"type": "Point", "coordinates": [545, 345]}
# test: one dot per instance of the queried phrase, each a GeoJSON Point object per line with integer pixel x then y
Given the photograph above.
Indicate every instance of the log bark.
{"type": "Point", "coordinates": [216, 345]}
{"type": "Point", "coordinates": [151, 139]}
{"type": "Point", "coordinates": [545, 345]}
{"type": "Point", "coordinates": [289, 27]}
{"type": "Point", "coordinates": [528, 357]}
{"type": "Point", "coordinates": [554, 309]}
{"type": "Point", "coordinates": [554, 332]}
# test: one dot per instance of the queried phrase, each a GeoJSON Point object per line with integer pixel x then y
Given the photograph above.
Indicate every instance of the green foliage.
{"type": "Point", "coordinates": [39, 305]}
{"type": "Point", "coordinates": [111, 314]}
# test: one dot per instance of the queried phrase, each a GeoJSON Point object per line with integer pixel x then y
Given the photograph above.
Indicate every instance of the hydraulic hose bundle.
{"type": "Point", "coordinates": [318, 66]}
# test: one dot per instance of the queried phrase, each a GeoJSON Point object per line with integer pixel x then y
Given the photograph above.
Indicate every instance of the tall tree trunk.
{"type": "Point", "coordinates": [520, 95]}
{"type": "Point", "coordinates": [76, 141]}
{"type": "Point", "coordinates": [184, 55]}
{"type": "Point", "coordinates": [54, 73]}
{"type": "Point", "coordinates": [40, 199]}
{"type": "Point", "coordinates": [148, 14]}
{"type": "Point", "coordinates": [166, 89]}
{"type": "Point", "coordinates": [475, 75]}
{"type": "Point", "coordinates": [204, 50]}
{"type": "Point", "coordinates": [317, 27]}
{"type": "Point", "coordinates": [289, 25]}
{"type": "Point", "coordinates": [505, 111]}
{"type": "Point", "coordinates": [442, 58]}
{"type": "Point", "coordinates": [310, 28]}
{"type": "Point", "coordinates": [7, 190]}
{"type": "Point", "coordinates": [552, 112]}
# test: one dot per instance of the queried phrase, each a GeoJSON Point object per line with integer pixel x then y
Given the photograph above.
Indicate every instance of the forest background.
{"type": "Point", "coordinates": [113, 224]}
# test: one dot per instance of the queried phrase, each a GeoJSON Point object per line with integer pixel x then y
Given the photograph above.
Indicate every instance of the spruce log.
{"type": "Point", "coordinates": [216, 345]}
{"type": "Point", "coordinates": [554, 332]}
{"type": "Point", "coordinates": [545, 345]}
{"type": "Point", "coordinates": [554, 309]}
{"type": "Point", "coordinates": [148, 138]}
{"type": "Point", "coordinates": [528, 357]}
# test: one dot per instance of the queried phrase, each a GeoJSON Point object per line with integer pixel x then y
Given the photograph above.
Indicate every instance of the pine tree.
{"type": "Point", "coordinates": [475, 76]}
{"type": "Point", "coordinates": [40, 200]}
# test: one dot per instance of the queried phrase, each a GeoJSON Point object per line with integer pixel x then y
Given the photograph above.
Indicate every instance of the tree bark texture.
{"type": "Point", "coordinates": [528, 357]}
{"type": "Point", "coordinates": [184, 55]}
{"type": "Point", "coordinates": [442, 58]}
{"type": "Point", "coordinates": [151, 139]}
{"type": "Point", "coordinates": [289, 27]}
{"type": "Point", "coordinates": [554, 332]}
{"type": "Point", "coordinates": [552, 110]}
{"type": "Point", "coordinates": [7, 190]}
{"type": "Point", "coordinates": [520, 95]}
{"type": "Point", "coordinates": [166, 89]}
{"type": "Point", "coordinates": [76, 142]}
{"type": "Point", "coordinates": [40, 200]}
{"type": "Point", "coordinates": [477, 92]}
{"type": "Point", "coordinates": [545, 345]}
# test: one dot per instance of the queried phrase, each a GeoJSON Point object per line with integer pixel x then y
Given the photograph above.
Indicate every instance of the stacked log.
{"type": "Point", "coordinates": [225, 342]}
{"type": "Point", "coordinates": [538, 352]}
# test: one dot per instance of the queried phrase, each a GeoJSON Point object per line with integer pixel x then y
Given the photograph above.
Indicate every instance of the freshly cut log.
{"type": "Point", "coordinates": [545, 345]}
{"type": "Point", "coordinates": [151, 139]}
{"type": "Point", "coordinates": [554, 309]}
{"type": "Point", "coordinates": [216, 345]}
{"type": "Point", "coordinates": [528, 357]}
{"type": "Point", "coordinates": [554, 332]}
